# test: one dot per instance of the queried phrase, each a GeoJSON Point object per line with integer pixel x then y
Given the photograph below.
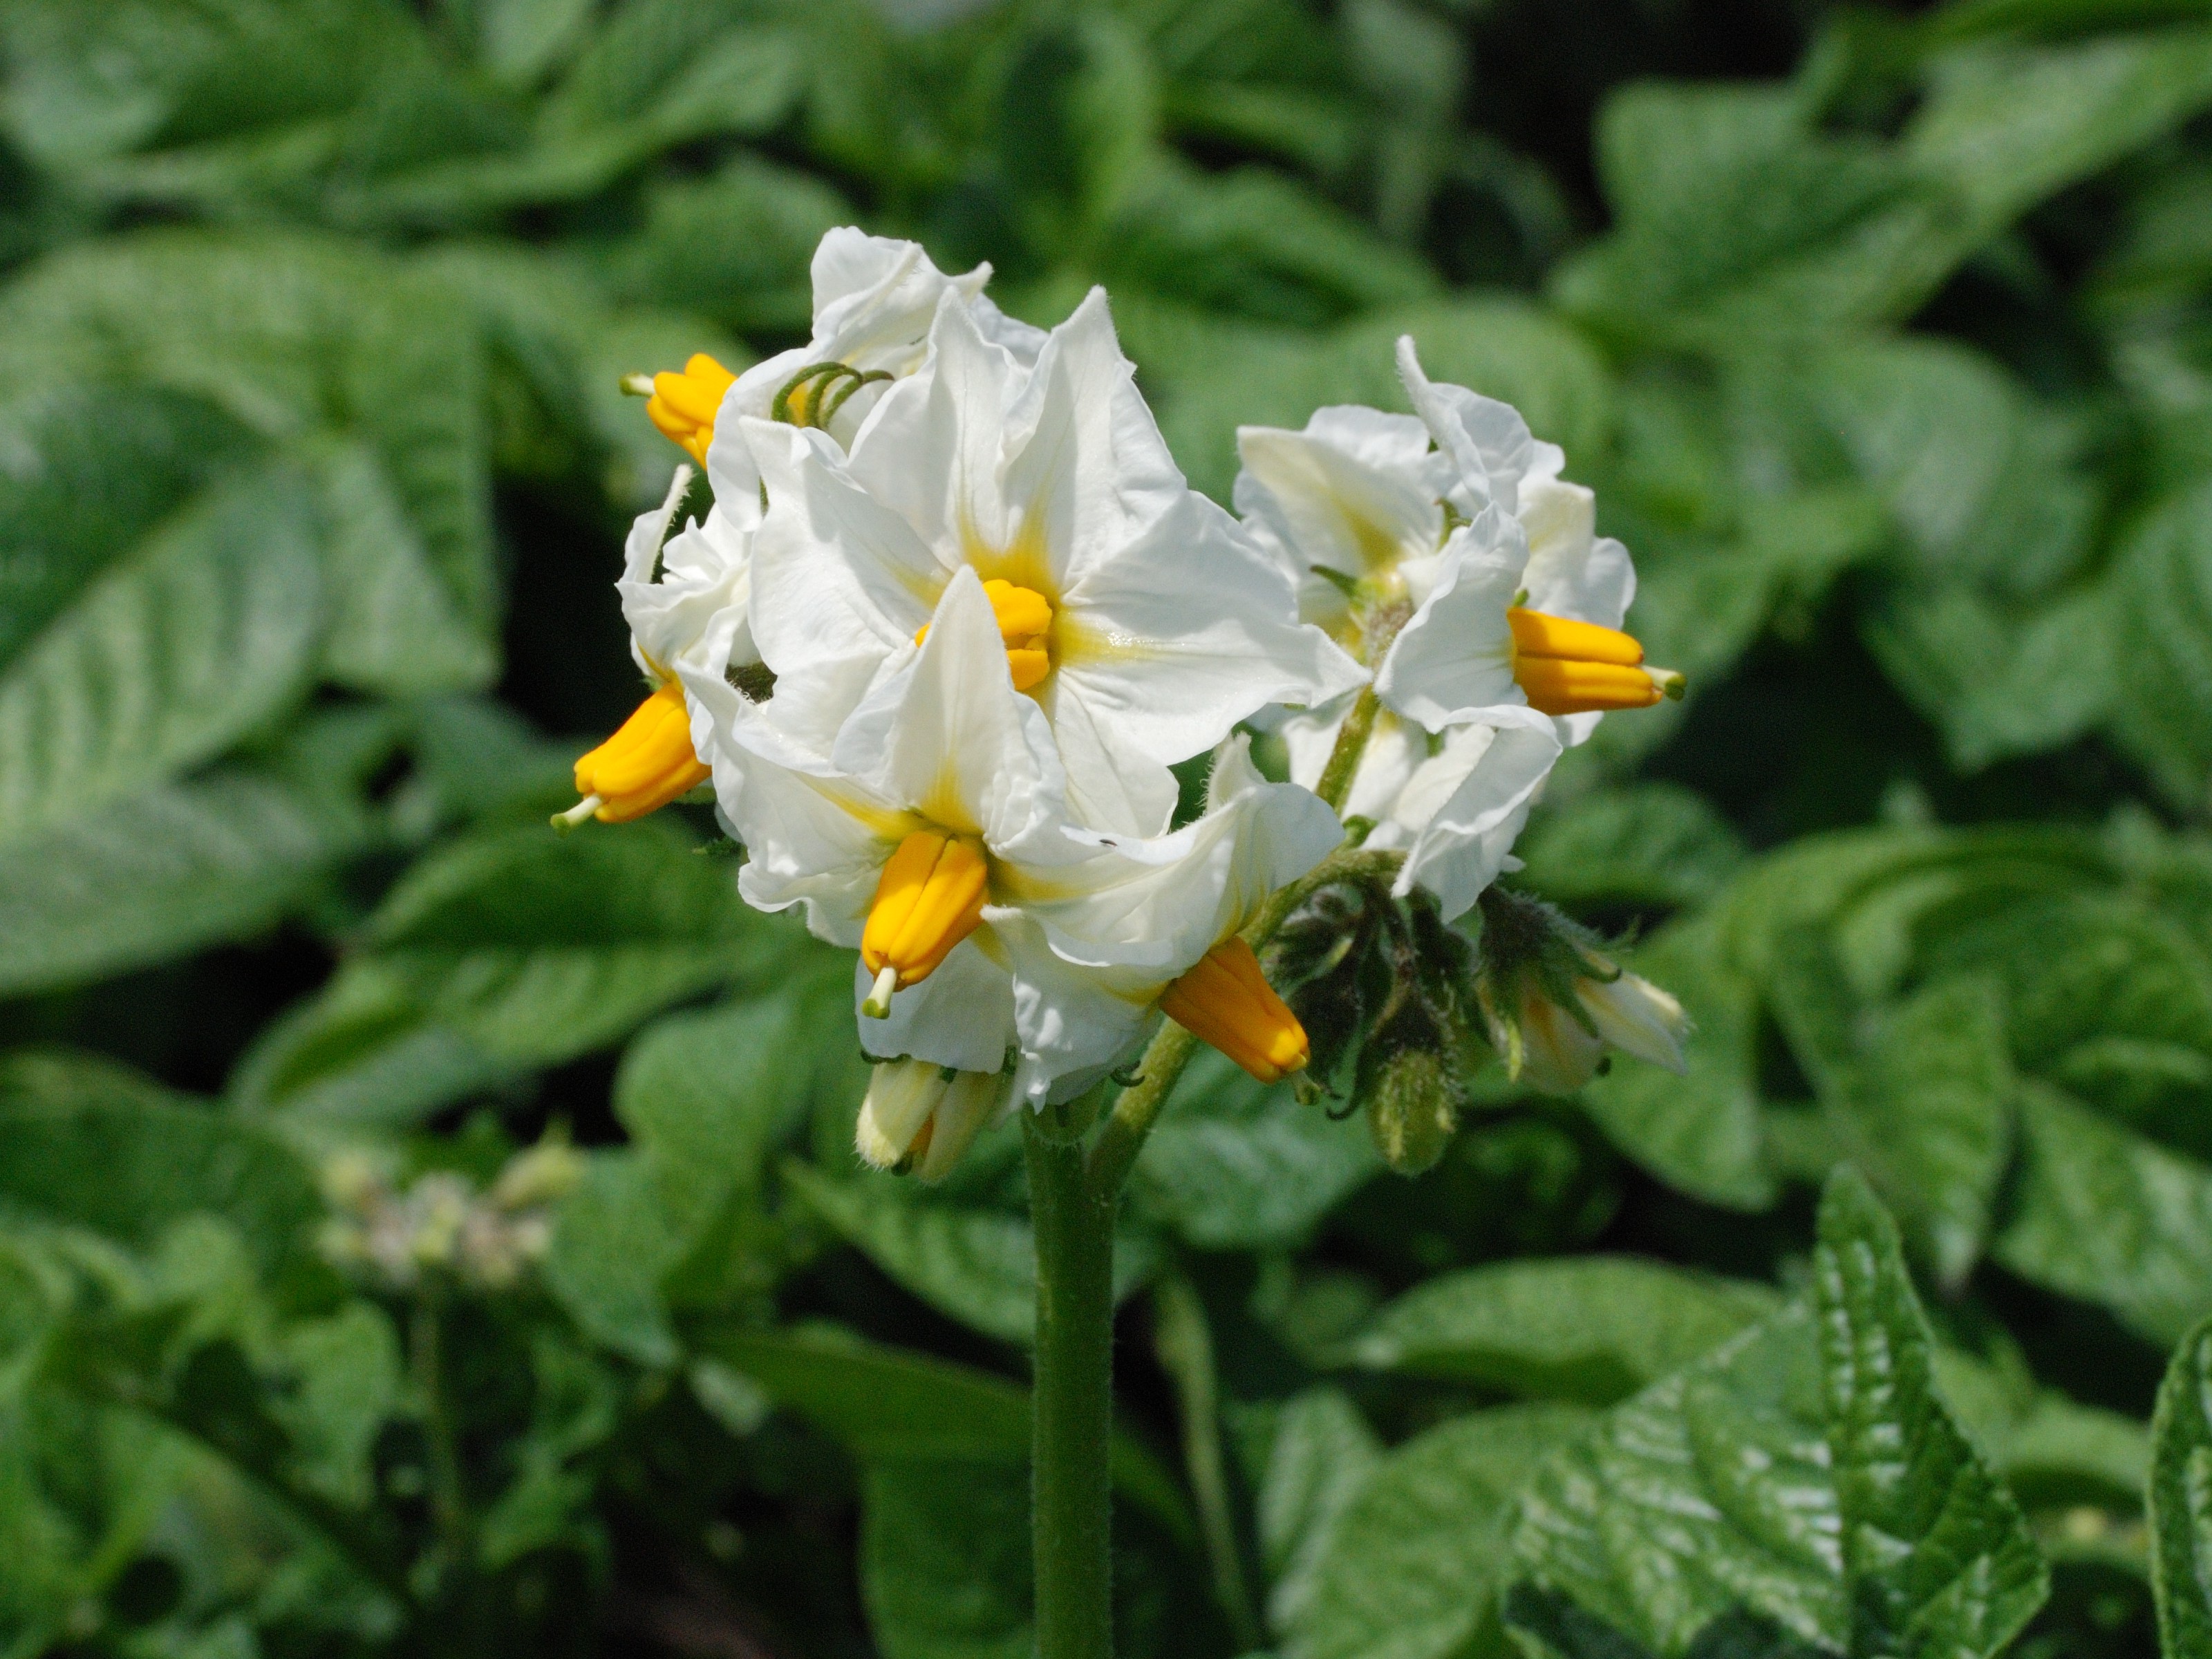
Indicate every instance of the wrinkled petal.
{"type": "Point", "coordinates": [951, 736]}
{"type": "Point", "coordinates": [963, 1015]}
{"type": "Point", "coordinates": [1395, 748]}
{"type": "Point", "coordinates": [1487, 441]}
{"type": "Point", "coordinates": [1456, 653]}
{"type": "Point", "coordinates": [1466, 805]}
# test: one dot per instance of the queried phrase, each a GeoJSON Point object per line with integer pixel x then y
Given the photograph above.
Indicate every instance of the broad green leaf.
{"type": "Point", "coordinates": [1319, 1455]}
{"type": "Point", "coordinates": [890, 1405]}
{"type": "Point", "coordinates": [1919, 1095]}
{"type": "Point", "coordinates": [1418, 1561]}
{"type": "Point", "coordinates": [519, 39]}
{"type": "Point", "coordinates": [2006, 125]}
{"type": "Point", "coordinates": [612, 1245]}
{"type": "Point", "coordinates": [158, 874]}
{"type": "Point", "coordinates": [1806, 1475]}
{"type": "Point", "coordinates": [1646, 843]}
{"type": "Point", "coordinates": [200, 631]}
{"type": "Point", "coordinates": [84, 1142]}
{"type": "Point", "coordinates": [735, 244]}
{"type": "Point", "coordinates": [705, 1095]}
{"type": "Point", "coordinates": [1935, 1552]}
{"type": "Point", "coordinates": [978, 1264]}
{"type": "Point", "coordinates": [2181, 1501]}
{"type": "Point", "coordinates": [537, 947]}
{"type": "Point", "coordinates": [1593, 1328]}
{"type": "Point", "coordinates": [346, 1372]}
{"type": "Point", "coordinates": [944, 1561]}
{"type": "Point", "coordinates": [2105, 1215]}
{"type": "Point", "coordinates": [1234, 1164]}
{"type": "Point", "coordinates": [1699, 1133]}
{"type": "Point", "coordinates": [372, 368]}
{"type": "Point", "coordinates": [2163, 611]}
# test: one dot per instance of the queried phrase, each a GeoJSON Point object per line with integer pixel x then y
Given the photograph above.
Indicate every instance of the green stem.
{"type": "Point", "coordinates": [1351, 744]}
{"type": "Point", "coordinates": [1072, 1430]}
{"type": "Point", "coordinates": [1185, 1345]}
{"type": "Point", "coordinates": [448, 1504]}
{"type": "Point", "coordinates": [1138, 1105]}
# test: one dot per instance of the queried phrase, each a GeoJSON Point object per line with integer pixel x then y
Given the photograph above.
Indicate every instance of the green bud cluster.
{"type": "Point", "coordinates": [1531, 952]}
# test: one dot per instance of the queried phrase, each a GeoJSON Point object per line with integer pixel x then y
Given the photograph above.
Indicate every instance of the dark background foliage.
{"type": "Point", "coordinates": [1883, 334]}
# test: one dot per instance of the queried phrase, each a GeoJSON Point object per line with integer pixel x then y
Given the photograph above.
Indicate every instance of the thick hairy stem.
{"type": "Point", "coordinates": [1072, 1495]}
{"type": "Point", "coordinates": [1186, 1349]}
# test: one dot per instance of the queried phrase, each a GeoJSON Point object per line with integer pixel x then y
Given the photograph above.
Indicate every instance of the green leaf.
{"type": "Point", "coordinates": [1806, 1475]}
{"type": "Point", "coordinates": [2006, 125]}
{"type": "Point", "coordinates": [1699, 1133]}
{"type": "Point", "coordinates": [1918, 1095]}
{"type": "Point", "coordinates": [1936, 1552]}
{"type": "Point", "coordinates": [1593, 1328]}
{"type": "Point", "coordinates": [976, 1265]}
{"type": "Point", "coordinates": [1417, 1563]}
{"type": "Point", "coordinates": [157, 875]}
{"type": "Point", "coordinates": [1234, 1164]}
{"type": "Point", "coordinates": [85, 1142]}
{"type": "Point", "coordinates": [1642, 844]}
{"type": "Point", "coordinates": [2181, 1501]}
{"type": "Point", "coordinates": [537, 947]}
{"type": "Point", "coordinates": [370, 368]}
{"type": "Point", "coordinates": [612, 1245]}
{"type": "Point", "coordinates": [167, 657]}
{"type": "Point", "coordinates": [1319, 1455]}
{"type": "Point", "coordinates": [2164, 612]}
{"type": "Point", "coordinates": [2108, 1217]}
{"type": "Point", "coordinates": [889, 1405]}
{"type": "Point", "coordinates": [736, 244]}
{"type": "Point", "coordinates": [345, 1369]}
{"type": "Point", "coordinates": [945, 1561]}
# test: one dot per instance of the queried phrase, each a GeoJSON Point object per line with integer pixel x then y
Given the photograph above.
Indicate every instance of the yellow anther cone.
{"type": "Point", "coordinates": [1025, 619]}
{"type": "Point", "coordinates": [1226, 1001]}
{"type": "Point", "coordinates": [646, 764]}
{"type": "Point", "coordinates": [929, 897]}
{"type": "Point", "coordinates": [683, 406]}
{"type": "Point", "coordinates": [1564, 666]}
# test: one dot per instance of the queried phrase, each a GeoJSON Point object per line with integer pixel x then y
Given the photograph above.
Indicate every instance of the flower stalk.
{"type": "Point", "coordinates": [1072, 1403]}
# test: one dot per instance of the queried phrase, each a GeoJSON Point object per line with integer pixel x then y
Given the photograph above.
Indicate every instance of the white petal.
{"type": "Point", "coordinates": [949, 737]}
{"type": "Point", "coordinates": [1558, 1056]}
{"type": "Point", "coordinates": [1188, 629]}
{"type": "Point", "coordinates": [1637, 1018]}
{"type": "Point", "coordinates": [1111, 784]}
{"type": "Point", "coordinates": [961, 1015]}
{"type": "Point", "coordinates": [1456, 652]}
{"type": "Point", "coordinates": [815, 840]}
{"type": "Point", "coordinates": [1395, 748]}
{"type": "Point", "coordinates": [840, 585]}
{"type": "Point", "coordinates": [1466, 805]}
{"type": "Point", "coordinates": [902, 1095]}
{"type": "Point", "coordinates": [1322, 494]}
{"type": "Point", "coordinates": [1487, 440]}
{"type": "Point", "coordinates": [1073, 1025]}
{"type": "Point", "coordinates": [973, 1100]}
{"type": "Point", "coordinates": [697, 613]}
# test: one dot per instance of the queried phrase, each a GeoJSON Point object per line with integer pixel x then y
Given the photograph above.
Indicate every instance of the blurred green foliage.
{"type": "Point", "coordinates": [1885, 338]}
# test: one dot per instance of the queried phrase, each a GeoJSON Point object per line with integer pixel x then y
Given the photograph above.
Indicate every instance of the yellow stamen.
{"type": "Point", "coordinates": [683, 406]}
{"type": "Point", "coordinates": [1569, 667]}
{"type": "Point", "coordinates": [1226, 1000]}
{"type": "Point", "coordinates": [647, 763]}
{"type": "Point", "coordinates": [1024, 618]}
{"type": "Point", "coordinates": [930, 897]}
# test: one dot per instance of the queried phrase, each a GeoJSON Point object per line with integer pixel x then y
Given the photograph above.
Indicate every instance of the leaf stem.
{"type": "Point", "coordinates": [1185, 1345]}
{"type": "Point", "coordinates": [448, 1503]}
{"type": "Point", "coordinates": [1073, 1409]}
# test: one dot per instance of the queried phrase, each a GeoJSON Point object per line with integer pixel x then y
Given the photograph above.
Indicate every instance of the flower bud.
{"type": "Point", "coordinates": [545, 1174]}
{"type": "Point", "coordinates": [1413, 1109]}
{"type": "Point", "coordinates": [1554, 1005]}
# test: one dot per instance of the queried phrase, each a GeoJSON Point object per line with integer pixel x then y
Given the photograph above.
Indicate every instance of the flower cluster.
{"type": "Point", "coordinates": [955, 614]}
{"type": "Point", "coordinates": [441, 1224]}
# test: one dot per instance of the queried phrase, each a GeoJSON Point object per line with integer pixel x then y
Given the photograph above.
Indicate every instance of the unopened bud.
{"type": "Point", "coordinates": [1413, 1109]}
{"type": "Point", "coordinates": [545, 1174]}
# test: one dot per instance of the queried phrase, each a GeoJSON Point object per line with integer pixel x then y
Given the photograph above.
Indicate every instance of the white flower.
{"type": "Point", "coordinates": [942, 848]}
{"type": "Point", "coordinates": [874, 300]}
{"type": "Point", "coordinates": [1139, 617]}
{"type": "Point", "coordinates": [1560, 1049]}
{"type": "Point", "coordinates": [1455, 802]}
